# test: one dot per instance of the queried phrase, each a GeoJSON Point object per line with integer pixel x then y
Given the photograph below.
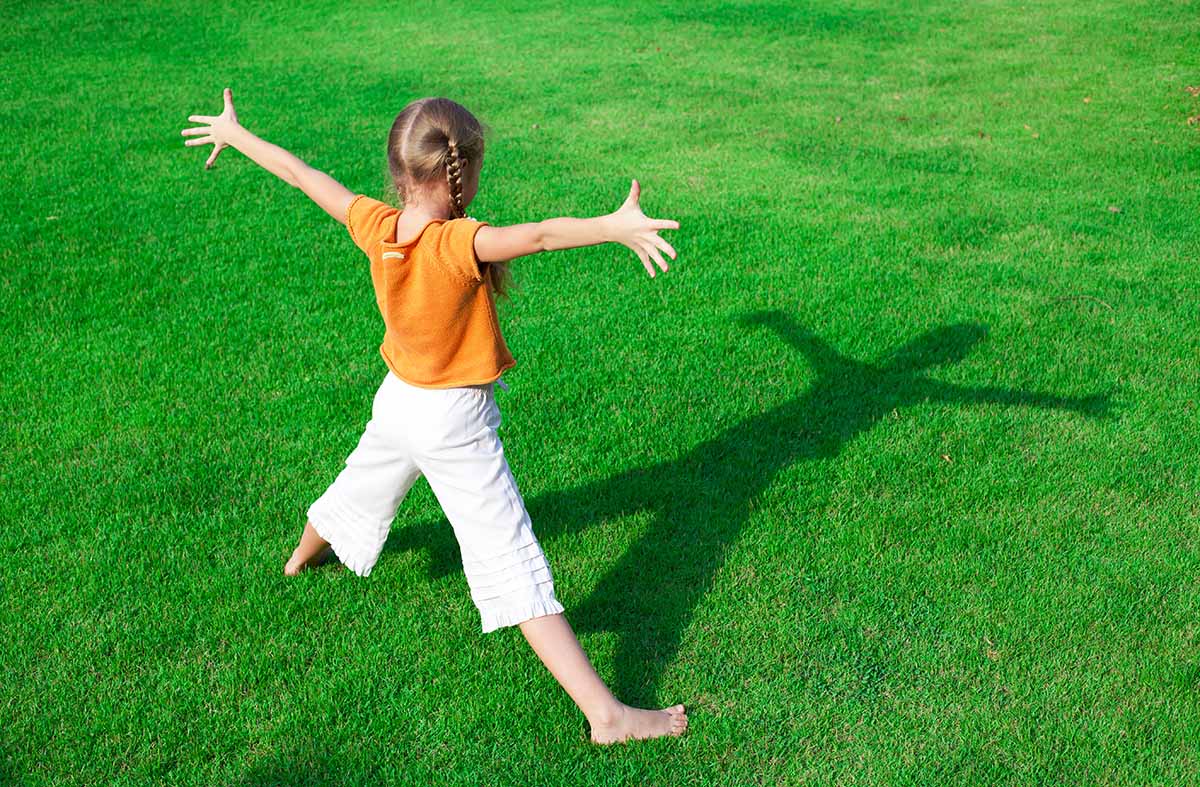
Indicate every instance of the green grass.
{"type": "Point", "coordinates": [893, 479]}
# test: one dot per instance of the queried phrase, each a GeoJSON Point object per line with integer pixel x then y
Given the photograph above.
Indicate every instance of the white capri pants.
{"type": "Point", "coordinates": [449, 436]}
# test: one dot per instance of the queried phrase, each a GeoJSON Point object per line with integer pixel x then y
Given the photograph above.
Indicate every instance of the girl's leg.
{"type": "Point", "coordinates": [311, 546]}
{"type": "Point", "coordinates": [507, 572]}
{"type": "Point", "coordinates": [357, 509]}
{"type": "Point", "coordinates": [555, 643]}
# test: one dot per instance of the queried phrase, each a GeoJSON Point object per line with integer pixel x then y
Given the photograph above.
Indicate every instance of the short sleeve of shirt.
{"type": "Point", "coordinates": [365, 220]}
{"type": "Point", "coordinates": [456, 248]}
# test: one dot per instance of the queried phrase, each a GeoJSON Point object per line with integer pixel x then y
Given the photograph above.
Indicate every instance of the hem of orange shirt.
{"type": "Point", "coordinates": [455, 384]}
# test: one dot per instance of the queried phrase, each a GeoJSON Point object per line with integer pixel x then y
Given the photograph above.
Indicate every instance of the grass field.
{"type": "Point", "coordinates": [893, 479]}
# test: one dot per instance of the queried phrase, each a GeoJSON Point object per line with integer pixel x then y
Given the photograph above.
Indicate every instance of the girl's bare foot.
{"type": "Point", "coordinates": [637, 724]}
{"type": "Point", "coordinates": [311, 551]}
{"type": "Point", "coordinates": [612, 721]}
{"type": "Point", "coordinates": [296, 563]}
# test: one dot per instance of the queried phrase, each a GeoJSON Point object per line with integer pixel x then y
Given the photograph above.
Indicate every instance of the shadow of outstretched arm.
{"type": "Point", "coordinates": [1092, 406]}
{"type": "Point", "coordinates": [819, 354]}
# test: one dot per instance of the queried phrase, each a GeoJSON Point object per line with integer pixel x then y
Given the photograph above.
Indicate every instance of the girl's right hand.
{"type": "Point", "coordinates": [218, 131]}
{"type": "Point", "coordinates": [630, 227]}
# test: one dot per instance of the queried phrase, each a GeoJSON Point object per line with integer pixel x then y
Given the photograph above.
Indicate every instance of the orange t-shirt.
{"type": "Point", "coordinates": [439, 313]}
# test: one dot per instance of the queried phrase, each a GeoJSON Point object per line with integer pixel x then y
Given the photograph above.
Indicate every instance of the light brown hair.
{"type": "Point", "coordinates": [439, 139]}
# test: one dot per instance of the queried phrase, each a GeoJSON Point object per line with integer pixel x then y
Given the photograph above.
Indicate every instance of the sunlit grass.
{"type": "Point", "coordinates": [892, 479]}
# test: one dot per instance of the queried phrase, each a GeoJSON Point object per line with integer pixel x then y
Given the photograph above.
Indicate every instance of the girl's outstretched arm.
{"type": "Point", "coordinates": [627, 225]}
{"type": "Point", "coordinates": [222, 131]}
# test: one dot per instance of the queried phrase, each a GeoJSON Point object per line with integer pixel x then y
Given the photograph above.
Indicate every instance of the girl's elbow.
{"type": "Point", "coordinates": [541, 240]}
{"type": "Point", "coordinates": [290, 177]}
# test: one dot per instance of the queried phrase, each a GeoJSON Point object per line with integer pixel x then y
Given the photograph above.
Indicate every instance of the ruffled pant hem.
{"type": "Point", "coordinates": [511, 615]}
{"type": "Point", "coordinates": [355, 539]}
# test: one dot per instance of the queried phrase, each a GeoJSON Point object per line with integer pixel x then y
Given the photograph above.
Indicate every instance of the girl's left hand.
{"type": "Point", "coordinates": [218, 132]}
{"type": "Point", "coordinates": [633, 229]}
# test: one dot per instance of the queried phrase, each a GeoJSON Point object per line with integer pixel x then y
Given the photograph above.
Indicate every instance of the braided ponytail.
{"type": "Point", "coordinates": [454, 164]}
{"type": "Point", "coordinates": [436, 138]}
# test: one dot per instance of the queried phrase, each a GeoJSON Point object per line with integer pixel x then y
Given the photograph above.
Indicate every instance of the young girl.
{"type": "Point", "coordinates": [436, 276]}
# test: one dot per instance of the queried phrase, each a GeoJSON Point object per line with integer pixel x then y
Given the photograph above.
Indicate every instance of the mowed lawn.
{"type": "Point", "coordinates": [894, 478]}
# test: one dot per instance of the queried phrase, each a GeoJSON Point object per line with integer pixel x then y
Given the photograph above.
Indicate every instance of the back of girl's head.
{"type": "Point", "coordinates": [435, 139]}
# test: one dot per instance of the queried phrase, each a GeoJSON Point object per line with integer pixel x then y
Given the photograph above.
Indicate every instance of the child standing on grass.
{"type": "Point", "coordinates": [436, 276]}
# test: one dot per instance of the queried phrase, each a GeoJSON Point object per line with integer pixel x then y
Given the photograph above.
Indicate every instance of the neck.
{"type": "Point", "coordinates": [416, 214]}
{"type": "Point", "coordinates": [426, 211]}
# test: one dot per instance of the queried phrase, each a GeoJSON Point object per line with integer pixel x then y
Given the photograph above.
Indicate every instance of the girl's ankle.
{"type": "Point", "coordinates": [607, 715]}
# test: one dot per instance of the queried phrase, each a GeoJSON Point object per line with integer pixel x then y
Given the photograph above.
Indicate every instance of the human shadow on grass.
{"type": "Point", "coordinates": [305, 766]}
{"type": "Point", "coordinates": [702, 500]}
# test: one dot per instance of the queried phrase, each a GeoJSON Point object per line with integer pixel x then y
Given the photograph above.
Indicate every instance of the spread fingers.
{"type": "Point", "coordinates": [653, 252]}
{"type": "Point", "coordinates": [645, 261]}
{"type": "Point", "coordinates": [662, 244]}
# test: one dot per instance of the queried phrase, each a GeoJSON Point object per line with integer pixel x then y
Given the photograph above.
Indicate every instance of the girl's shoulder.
{"type": "Point", "coordinates": [454, 246]}
{"type": "Point", "coordinates": [370, 221]}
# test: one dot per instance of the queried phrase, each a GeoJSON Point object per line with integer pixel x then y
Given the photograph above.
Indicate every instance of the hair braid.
{"type": "Point", "coordinates": [454, 164]}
